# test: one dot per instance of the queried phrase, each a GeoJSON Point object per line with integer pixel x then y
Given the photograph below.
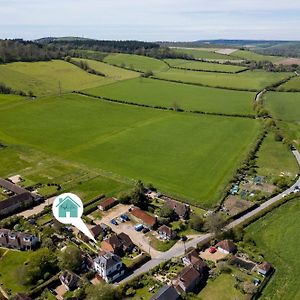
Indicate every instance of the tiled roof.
{"type": "Point", "coordinates": [227, 245]}
{"type": "Point", "coordinates": [146, 218]}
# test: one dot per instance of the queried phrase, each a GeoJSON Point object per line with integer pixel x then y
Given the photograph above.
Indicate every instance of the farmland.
{"type": "Point", "coordinates": [250, 55]}
{"type": "Point", "coordinates": [203, 66]}
{"type": "Point", "coordinates": [249, 80]}
{"type": "Point", "coordinates": [48, 77]}
{"type": "Point", "coordinates": [277, 237]}
{"type": "Point", "coordinates": [293, 84]}
{"type": "Point", "coordinates": [136, 62]}
{"type": "Point", "coordinates": [128, 142]}
{"type": "Point", "coordinates": [168, 94]}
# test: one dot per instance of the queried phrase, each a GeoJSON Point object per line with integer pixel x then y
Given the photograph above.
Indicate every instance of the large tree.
{"type": "Point", "coordinates": [215, 223]}
{"type": "Point", "coordinates": [101, 291]}
{"type": "Point", "coordinates": [70, 258]}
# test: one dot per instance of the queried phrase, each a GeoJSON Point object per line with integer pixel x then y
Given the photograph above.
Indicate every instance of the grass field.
{"type": "Point", "coordinates": [250, 55]}
{"type": "Point", "coordinates": [248, 80]}
{"type": "Point", "coordinates": [293, 84]}
{"type": "Point", "coordinates": [277, 237]}
{"type": "Point", "coordinates": [136, 62]}
{"type": "Point", "coordinates": [168, 94]}
{"type": "Point", "coordinates": [44, 77]}
{"type": "Point", "coordinates": [179, 153]}
{"type": "Point", "coordinates": [109, 70]}
{"type": "Point", "coordinates": [275, 159]}
{"type": "Point", "coordinates": [203, 66]}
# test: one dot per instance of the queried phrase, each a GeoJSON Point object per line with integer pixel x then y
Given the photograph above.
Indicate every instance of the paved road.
{"type": "Point", "coordinates": [179, 248]}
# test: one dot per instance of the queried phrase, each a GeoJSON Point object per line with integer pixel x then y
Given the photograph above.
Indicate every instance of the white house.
{"type": "Point", "coordinates": [109, 266]}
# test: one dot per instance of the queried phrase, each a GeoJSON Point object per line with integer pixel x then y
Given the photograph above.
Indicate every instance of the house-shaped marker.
{"type": "Point", "coordinates": [67, 205]}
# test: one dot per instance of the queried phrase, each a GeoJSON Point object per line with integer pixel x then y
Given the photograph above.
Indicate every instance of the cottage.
{"type": "Point", "coordinates": [187, 280]}
{"type": "Point", "coordinates": [167, 292]}
{"type": "Point", "coordinates": [166, 232]}
{"type": "Point", "coordinates": [69, 280]}
{"type": "Point", "coordinates": [96, 231]}
{"type": "Point", "coordinates": [226, 247]}
{"type": "Point", "coordinates": [107, 204]}
{"type": "Point", "coordinates": [192, 259]}
{"type": "Point", "coordinates": [109, 267]}
{"type": "Point", "coordinates": [144, 217]}
{"type": "Point", "coordinates": [264, 268]}
{"type": "Point", "coordinates": [17, 240]}
{"type": "Point", "coordinates": [118, 244]}
{"type": "Point", "coordinates": [182, 210]}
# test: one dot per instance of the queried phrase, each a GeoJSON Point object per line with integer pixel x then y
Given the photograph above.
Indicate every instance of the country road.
{"type": "Point", "coordinates": [179, 248]}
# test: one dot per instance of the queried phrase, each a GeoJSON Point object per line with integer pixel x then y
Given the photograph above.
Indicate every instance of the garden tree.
{"type": "Point", "coordinates": [42, 263]}
{"type": "Point", "coordinates": [47, 243]}
{"type": "Point", "coordinates": [249, 288]}
{"type": "Point", "coordinates": [124, 198]}
{"type": "Point", "coordinates": [166, 212]}
{"type": "Point", "coordinates": [138, 197]}
{"type": "Point", "coordinates": [214, 223]}
{"type": "Point", "coordinates": [196, 222]}
{"type": "Point", "coordinates": [101, 291]}
{"type": "Point", "coordinates": [70, 258]}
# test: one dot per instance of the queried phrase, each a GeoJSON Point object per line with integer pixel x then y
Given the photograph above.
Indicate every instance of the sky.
{"type": "Point", "coordinates": [151, 20]}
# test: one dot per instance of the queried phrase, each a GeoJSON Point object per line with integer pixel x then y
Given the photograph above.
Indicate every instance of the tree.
{"type": "Point", "coordinates": [196, 222]}
{"type": "Point", "coordinates": [101, 291]}
{"type": "Point", "coordinates": [138, 197]}
{"type": "Point", "coordinates": [70, 258]}
{"type": "Point", "coordinates": [249, 288]}
{"type": "Point", "coordinates": [214, 223]}
{"type": "Point", "coordinates": [166, 212]}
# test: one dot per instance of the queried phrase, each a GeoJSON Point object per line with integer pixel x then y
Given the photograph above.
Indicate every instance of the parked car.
{"type": "Point", "coordinates": [114, 222]}
{"type": "Point", "coordinates": [120, 219]}
{"type": "Point", "coordinates": [138, 227]}
{"type": "Point", "coordinates": [124, 217]}
{"type": "Point", "coordinates": [145, 230]}
{"type": "Point", "coordinates": [296, 189]}
{"type": "Point", "coordinates": [184, 238]}
{"type": "Point", "coordinates": [212, 250]}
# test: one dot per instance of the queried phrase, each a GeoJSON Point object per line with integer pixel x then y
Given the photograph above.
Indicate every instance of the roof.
{"type": "Point", "coordinates": [146, 218]}
{"type": "Point", "coordinates": [125, 239]}
{"type": "Point", "coordinates": [14, 199]}
{"type": "Point", "coordinates": [227, 245]}
{"type": "Point", "coordinates": [165, 229]}
{"type": "Point", "coordinates": [180, 209]}
{"type": "Point", "coordinates": [108, 260]}
{"type": "Point", "coordinates": [195, 260]}
{"type": "Point", "coordinates": [113, 241]}
{"type": "Point", "coordinates": [265, 266]}
{"type": "Point", "coordinates": [69, 279]}
{"type": "Point", "coordinates": [188, 275]}
{"type": "Point", "coordinates": [96, 230]}
{"type": "Point", "coordinates": [12, 187]}
{"type": "Point", "coordinates": [108, 202]}
{"type": "Point", "coordinates": [166, 293]}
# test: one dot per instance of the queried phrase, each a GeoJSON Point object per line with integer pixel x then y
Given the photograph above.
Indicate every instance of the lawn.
{"type": "Point", "coordinates": [161, 245]}
{"type": "Point", "coordinates": [248, 80]}
{"type": "Point", "coordinates": [277, 237]}
{"type": "Point", "coordinates": [110, 71]}
{"type": "Point", "coordinates": [179, 153]}
{"type": "Point", "coordinates": [169, 94]}
{"type": "Point", "coordinates": [250, 55]}
{"type": "Point", "coordinates": [275, 159]}
{"type": "Point", "coordinates": [220, 288]}
{"type": "Point", "coordinates": [292, 84]}
{"type": "Point", "coordinates": [48, 77]}
{"type": "Point", "coordinates": [136, 62]}
{"type": "Point", "coordinates": [203, 66]}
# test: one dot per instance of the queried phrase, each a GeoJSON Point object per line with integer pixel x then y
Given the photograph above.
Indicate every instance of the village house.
{"type": "Point", "coordinates": [167, 292]}
{"type": "Point", "coordinates": [187, 280]}
{"type": "Point", "coordinates": [166, 232]}
{"type": "Point", "coordinates": [96, 231]}
{"type": "Point", "coordinates": [69, 280]}
{"type": "Point", "coordinates": [226, 247]}
{"type": "Point", "coordinates": [192, 259]}
{"type": "Point", "coordinates": [107, 204]}
{"type": "Point", "coordinates": [109, 267]}
{"type": "Point", "coordinates": [118, 244]}
{"type": "Point", "coordinates": [264, 268]}
{"type": "Point", "coordinates": [182, 210]}
{"type": "Point", "coordinates": [17, 240]}
{"type": "Point", "coordinates": [144, 217]}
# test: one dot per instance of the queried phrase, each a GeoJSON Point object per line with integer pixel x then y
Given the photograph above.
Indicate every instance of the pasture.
{"type": "Point", "coordinates": [136, 62]}
{"type": "Point", "coordinates": [250, 55]}
{"type": "Point", "coordinates": [203, 66]}
{"type": "Point", "coordinates": [291, 85]}
{"type": "Point", "coordinates": [168, 94]}
{"type": "Point", "coordinates": [179, 153]}
{"type": "Point", "coordinates": [49, 77]}
{"type": "Point", "coordinates": [248, 80]}
{"type": "Point", "coordinates": [277, 237]}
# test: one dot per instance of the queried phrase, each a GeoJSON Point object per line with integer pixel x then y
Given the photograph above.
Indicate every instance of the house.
{"type": "Point", "coordinates": [17, 240]}
{"type": "Point", "coordinates": [166, 232]}
{"type": "Point", "coordinates": [182, 210]}
{"type": "Point", "coordinates": [192, 259]}
{"type": "Point", "coordinates": [117, 244]}
{"type": "Point", "coordinates": [107, 204]}
{"type": "Point", "coordinates": [144, 217]}
{"type": "Point", "coordinates": [264, 268]}
{"type": "Point", "coordinates": [96, 231]}
{"type": "Point", "coordinates": [226, 247]}
{"type": "Point", "coordinates": [67, 207]}
{"type": "Point", "coordinates": [109, 267]}
{"type": "Point", "coordinates": [167, 292]}
{"type": "Point", "coordinates": [69, 280]}
{"type": "Point", "coordinates": [187, 280]}
{"type": "Point", "coordinates": [19, 198]}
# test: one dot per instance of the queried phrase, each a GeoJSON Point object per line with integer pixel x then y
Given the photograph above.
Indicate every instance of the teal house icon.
{"type": "Point", "coordinates": [67, 206]}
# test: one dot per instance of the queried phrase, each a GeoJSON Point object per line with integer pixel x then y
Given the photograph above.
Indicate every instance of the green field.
{"type": "Point", "coordinates": [45, 77]}
{"type": "Point", "coordinates": [136, 62]}
{"type": "Point", "coordinates": [293, 84]}
{"type": "Point", "coordinates": [168, 94]}
{"type": "Point", "coordinates": [203, 66]}
{"type": "Point", "coordinates": [277, 237]}
{"type": "Point", "coordinates": [179, 153]}
{"type": "Point", "coordinates": [250, 55]}
{"type": "Point", "coordinates": [275, 159]}
{"type": "Point", "coordinates": [109, 71]}
{"type": "Point", "coordinates": [248, 80]}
